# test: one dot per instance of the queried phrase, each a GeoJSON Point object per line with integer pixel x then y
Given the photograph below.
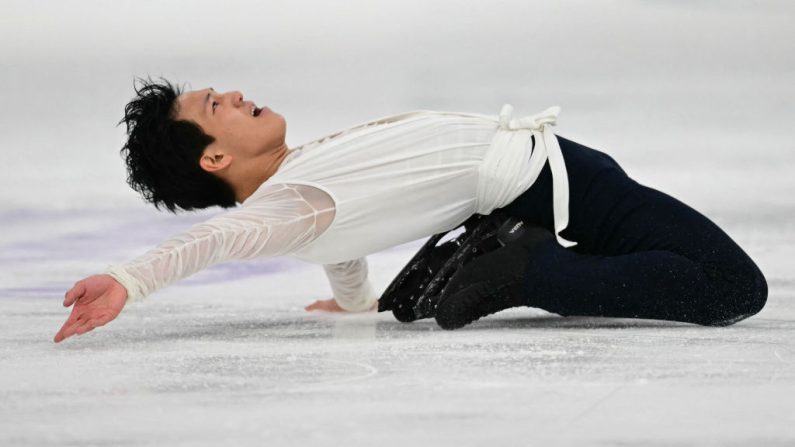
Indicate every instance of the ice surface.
{"type": "Point", "coordinates": [220, 362]}
{"type": "Point", "coordinates": [693, 98]}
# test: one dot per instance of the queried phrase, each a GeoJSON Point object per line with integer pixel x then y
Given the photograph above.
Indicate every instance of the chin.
{"type": "Point", "coordinates": [275, 129]}
{"type": "Point", "coordinates": [281, 125]}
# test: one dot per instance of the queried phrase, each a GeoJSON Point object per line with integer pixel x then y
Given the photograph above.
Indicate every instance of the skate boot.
{"type": "Point", "coordinates": [415, 291]}
{"type": "Point", "coordinates": [495, 281]}
{"type": "Point", "coordinates": [432, 259]}
{"type": "Point", "coordinates": [405, 290]}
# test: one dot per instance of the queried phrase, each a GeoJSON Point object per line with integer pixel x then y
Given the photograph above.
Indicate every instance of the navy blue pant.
{"type": "Point", "coordinates": [640, 253]}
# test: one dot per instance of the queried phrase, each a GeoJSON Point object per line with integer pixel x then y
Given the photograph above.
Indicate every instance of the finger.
{"type": "Point", "coordinates": [77, 325]}
{"type": "Point", "coordinates": [74, 293]}
{"type": "Point", "coordinates": [334, 307]}
{"type": "Point", "coordinates": [317, 305]}
{"type": "Point", "coordinates": [70, 329]}
{"type": "Point", "coordinates": [62, 335]}
{"type": "Point", "coordinates": [69, 321]}
{"type": "Point", "coordinates": [321, 307]}
{"type": "Point", "coordinates": [68, 332]}
{"type": "Point", "coordinates": [85, 327]}
{"type": "Point", "coordinates": [59, 335]}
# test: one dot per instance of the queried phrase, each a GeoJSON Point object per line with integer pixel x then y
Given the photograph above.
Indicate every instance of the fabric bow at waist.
{"type": "Point", "coordinates": [512, 165]}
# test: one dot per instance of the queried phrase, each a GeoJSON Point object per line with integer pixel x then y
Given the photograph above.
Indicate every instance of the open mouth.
{"type": "Point", "coordinates": [256, 111]}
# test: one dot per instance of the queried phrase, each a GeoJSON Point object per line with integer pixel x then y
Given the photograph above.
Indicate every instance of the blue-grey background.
{"type": "Point", "coordinates": [705, 83]}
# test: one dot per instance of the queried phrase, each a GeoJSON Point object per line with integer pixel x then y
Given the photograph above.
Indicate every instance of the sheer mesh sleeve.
{"type": "Point", "coordinates": [350, 285]}
{"type": "Point", "coordinates": [273, 222]}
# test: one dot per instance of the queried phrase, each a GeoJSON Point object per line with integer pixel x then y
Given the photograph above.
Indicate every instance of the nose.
{"type": "Point", "coordinates": [236, 98]}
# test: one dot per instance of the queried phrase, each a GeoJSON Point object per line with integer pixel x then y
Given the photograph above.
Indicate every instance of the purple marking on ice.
{"type": "Point", "coordinates": [33, 292]}
{"type": "Point", "coordinates": [122, 229]}
{"type": "Point", "coordinates": [229, 271]}
{"type": "Point", "coordinates": [109, 233]}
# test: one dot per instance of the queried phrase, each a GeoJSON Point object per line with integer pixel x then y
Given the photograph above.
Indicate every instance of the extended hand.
{"type": "Point", "coordinates": [331, 305]}
{"type": "Point", "coordinates": [98, 299]}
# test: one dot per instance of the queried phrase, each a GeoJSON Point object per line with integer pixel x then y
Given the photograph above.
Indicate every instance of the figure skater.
{"type": "Point", "coordinates": [598, 243]}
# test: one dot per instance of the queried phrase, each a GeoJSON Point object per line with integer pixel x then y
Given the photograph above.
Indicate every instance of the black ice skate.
{"type": "Point", "coordinates": [493, 282]}
{"type": "Point", "coordinates": [415, 291]}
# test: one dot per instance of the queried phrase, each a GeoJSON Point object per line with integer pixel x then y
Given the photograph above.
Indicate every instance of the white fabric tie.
{"type": "Point", "coordinates": [513, 167]}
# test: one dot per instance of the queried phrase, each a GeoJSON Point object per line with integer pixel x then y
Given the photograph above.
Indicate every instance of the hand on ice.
{"type": "Point", "coordinates": [331, 305]}
{"type": "Point", "coordinates": [98, 299]}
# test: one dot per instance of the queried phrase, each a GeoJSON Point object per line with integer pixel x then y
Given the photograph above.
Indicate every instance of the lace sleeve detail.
{"type": "Point", "coordinates": [279, 220]}
{"type": "Point", "coordinates": [350, 285]}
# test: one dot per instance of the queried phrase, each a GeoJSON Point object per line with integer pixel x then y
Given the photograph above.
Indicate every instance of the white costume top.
{"type": "Point", "coordinates": [376, 185]}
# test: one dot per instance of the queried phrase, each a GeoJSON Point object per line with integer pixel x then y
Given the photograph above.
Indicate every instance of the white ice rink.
{"type": "Point", "coordinates": [692, 98]}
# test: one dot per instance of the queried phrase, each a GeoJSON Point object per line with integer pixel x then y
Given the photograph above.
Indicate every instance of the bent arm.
{"type": "Point", "coordinates": [351, 287]}
{"type": "Point", "coordinates": [275, 224]}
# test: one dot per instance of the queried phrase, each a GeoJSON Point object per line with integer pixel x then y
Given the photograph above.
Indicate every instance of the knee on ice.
{"type": "Point", "coordinates": [747, 296]}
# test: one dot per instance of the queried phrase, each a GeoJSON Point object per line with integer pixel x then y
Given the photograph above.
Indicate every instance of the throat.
{"type": "Point", "coordinates": [256, 172]}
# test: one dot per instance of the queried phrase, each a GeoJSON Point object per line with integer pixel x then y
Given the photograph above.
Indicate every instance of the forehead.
{"type": "Point", "coordinates": [191, 104]}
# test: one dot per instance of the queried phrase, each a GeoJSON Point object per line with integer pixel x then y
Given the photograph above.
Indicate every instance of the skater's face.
{"type": "Point", "coordinates": [240, 128]}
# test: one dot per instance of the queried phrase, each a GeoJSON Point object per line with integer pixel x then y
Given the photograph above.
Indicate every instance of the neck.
{"type": "Point", "coordinates": [254, 176]}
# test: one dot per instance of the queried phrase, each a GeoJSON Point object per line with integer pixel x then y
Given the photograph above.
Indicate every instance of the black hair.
{"type": "Point", "coordinates": [162, 153]}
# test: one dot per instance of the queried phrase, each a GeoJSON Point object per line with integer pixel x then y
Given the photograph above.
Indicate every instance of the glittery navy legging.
{"type": "Point", "coordinates": [640, 253]}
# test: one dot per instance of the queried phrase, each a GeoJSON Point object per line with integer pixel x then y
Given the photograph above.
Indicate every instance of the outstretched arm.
{"type": "Point", "coordinates": [280, 221]}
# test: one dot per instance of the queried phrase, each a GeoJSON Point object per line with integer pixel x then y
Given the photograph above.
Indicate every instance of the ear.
{"type": "Point", "coordinates": [214, 160]}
